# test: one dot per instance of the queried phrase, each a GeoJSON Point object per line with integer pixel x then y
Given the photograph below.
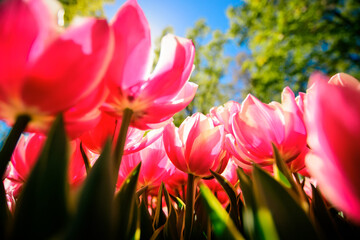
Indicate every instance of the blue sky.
{"type": "Point", "coordinates": [181, 14]}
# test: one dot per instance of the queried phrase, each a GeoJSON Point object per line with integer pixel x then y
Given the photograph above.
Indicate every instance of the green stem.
{"type": "Point", "coordinates": [11, 141]}
{"type": "Point", "coordinates": [119, 147]}
{"type": "Point", "coordinates": [190, 200]}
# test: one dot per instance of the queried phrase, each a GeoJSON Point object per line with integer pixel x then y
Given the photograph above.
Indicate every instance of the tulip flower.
{"type": "Point", "coordinates": [152, 98]}
{"type": "Point", "coordinates": [155, 166]}
{"type": "Point", "coordinates": [42, 71]}
{"type": "Point", "coordinates": [196, 146]}
{"type": "Point", "coordinates": [222, 114]}
{"type": "Point", "coordinates": [333, 124]}
{"type": "Point", "coordinates": [257, 125]}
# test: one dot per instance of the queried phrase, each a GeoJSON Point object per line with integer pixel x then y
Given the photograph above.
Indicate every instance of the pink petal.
{"type": "Point", "coordinates": [18, 31]}
{"type": "Point", "coordinates": [343, 79]}
{"type": "Point", "coordinates": [130, 63]}
{"type": "Point", "coordinates": [85, 115]}
{"type": "Point", "coordinates": [173, 69]}
{"type": "Point", "coordinates": [71, 67]}
{"type": "Point", "coordinates": [205, 150]}
{"type": "Point", "coordinates": [162, 110]}
{"type": "Point", "coordinates": [333, 125]}
{"type": "Point", "coordinates": [174, 147]}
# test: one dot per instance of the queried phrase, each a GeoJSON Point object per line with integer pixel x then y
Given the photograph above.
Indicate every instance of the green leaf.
{"type": "Point", "coordinates": [231, 193]}
{"type": "Point", "coordinates": [246, 187]}
{"type": "Point", "coordinates": [297, 191]}
{"type": "Point", "coordinates": [321, 216]}
{"type": "Point", "coordinates": [146, 228]}
{"type": "Point", "coordinates": [159, 217]}
{"type": "Point", "coordinates": [126, 209]}
{"type": "Point", "coordinates": [42, 210]}
{"type": "Point", "coordinates": [170, 228]}
{"type": "Point", "coordinates": [157, 234]}
{"type": "Point", "coordinates": [93, 216]}
{"type": "Point", "coordinates": [223, 226]}
{"type": "Point", "coordinates": [286, 212]}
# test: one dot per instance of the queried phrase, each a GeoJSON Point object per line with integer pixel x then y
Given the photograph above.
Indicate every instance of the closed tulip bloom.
{"type": "Point", "coordinates": [333, 123]}
{"type": "Point", "coordinates": [45, 70]}
{"type": "Point", "coordinates": [258, 125]}
{"type": "Point", "coordinates": [222, 114]}
{"type": "Point", "coordinates": [196, 146]}
{"type": "Point", "coordinates": [153, 98]}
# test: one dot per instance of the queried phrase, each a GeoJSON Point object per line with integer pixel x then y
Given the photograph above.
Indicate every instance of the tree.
{"type": "Point", "coordinates": [73, 8]}
{"type": "Point", "coordinates": [290, 39]}
{"type": "Point", "coordinates": [210, 66]}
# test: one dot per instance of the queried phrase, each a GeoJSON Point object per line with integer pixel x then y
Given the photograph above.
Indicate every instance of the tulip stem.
{"type": "Point", "coordinates": [11, 141]}
{"type": "Point", "coordinates": [119, 147]}
{"type": "Point", "coordinates": [190, 200]}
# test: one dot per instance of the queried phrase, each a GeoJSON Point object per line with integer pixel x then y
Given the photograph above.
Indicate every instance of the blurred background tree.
{"type": "Point", "coordinates": [211, 65]}
{"type": "Point", "coordinates": [290, 39]}
{"type": "Point", "coordinates": [74, 8]}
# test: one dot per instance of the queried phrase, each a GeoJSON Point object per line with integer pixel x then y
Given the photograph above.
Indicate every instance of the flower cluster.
{"type": "Point", "coordinates": [117, 115]}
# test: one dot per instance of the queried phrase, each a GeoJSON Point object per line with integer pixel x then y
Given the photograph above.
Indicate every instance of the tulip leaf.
{"type": "Point", "coordinates": [170, 228]}
{"type": "Point", "coordinates": [41, 210]}
{"type": "Point", "coordinates": [231, 193]}
{"type": "Point", "coordinates": [179, 202]}
{"type": "Point", "coordinates": [279, 176]}
{"type": "Point", "coordinates": [157, 234]}
{"type": "Point", "coordinates": [284, 172]}
{"type": "Point", "coordinates": [202, 224]}
{"type": "Point", "coordinates": [126, 208]}
{"type": "Point", "coordinates": [159, 217]}
{"type": "Point", "coordinates": [246, 187]}
{"type": "Point", "coordinates": [223, 226]}
{"type": "Point", "coordinates": [286, 212]}
{"type": "Point", "coordinates": [321, 216]}
{"type": "Point", "coordinates": [146, 228]}
{"type": "Point", "coordinates": [93, 216]}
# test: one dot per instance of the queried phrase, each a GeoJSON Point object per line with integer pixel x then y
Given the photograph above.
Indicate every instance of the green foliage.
{"type": "Point", "coordinates": [210, 66]}
{"type": "Point", "coordinates": [222, 224]}
{"type": "Point", "coordinates": [42, 210]}
{"type": "Point", "coordinates": [289, 40]}
{"type": "Point", "coordinates": [74, 8]}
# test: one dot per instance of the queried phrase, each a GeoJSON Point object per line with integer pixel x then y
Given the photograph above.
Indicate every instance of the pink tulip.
{"type": "Point", "coordinates": [333, 123]}
{"type": "Point", "coordinates": [222, 114]}
{"type": "Point", "coordinates": [154, 98]}
{"type": "Point", "coordinates": [155, 165]}
{"type": "Point", "coordinates": [258, 125]}
{"type": "Point", "coordinates": [108, 126]}
{"type": "Point", "coordinates": [196, 146]}
{"type": "Point", "coordinates": [27, 153]}
{"type": "Point", "coordinates": [44, 71]}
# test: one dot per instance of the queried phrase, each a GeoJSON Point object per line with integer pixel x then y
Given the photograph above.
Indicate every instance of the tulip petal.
{"type": "Point", "coordinates": [205, 150]}
{"type": "Point", "coordinates": [174, 147]}
{"type": "Point", "coordinates": [173, 69]}
{"type": "Point", "coordinates": [131, 62]}
{"type": "Point", "coordinates": [71, 67]}
{"type": "Point", "coordinates": [18, 31]}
